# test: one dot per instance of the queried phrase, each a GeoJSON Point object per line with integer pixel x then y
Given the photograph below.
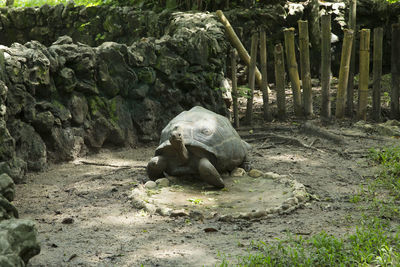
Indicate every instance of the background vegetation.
{"type": "Point", "coordinates": [157, 4]}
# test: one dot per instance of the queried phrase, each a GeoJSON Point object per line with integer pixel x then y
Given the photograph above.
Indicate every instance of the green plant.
{"type": "Point", "coordinates": [372, 243]}
{"type": "Point", "coordinates": [195, 201]}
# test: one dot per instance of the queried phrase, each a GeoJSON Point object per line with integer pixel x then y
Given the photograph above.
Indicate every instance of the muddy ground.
{"type": "Point", "coordinates": [85, 216]}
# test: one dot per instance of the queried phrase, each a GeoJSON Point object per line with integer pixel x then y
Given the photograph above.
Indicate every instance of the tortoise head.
{"type": "Point", "coordinates": [176, 138]}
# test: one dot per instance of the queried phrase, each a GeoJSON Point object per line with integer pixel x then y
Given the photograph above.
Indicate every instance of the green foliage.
{"type": "Point", "coordinates": [30, 3]}
{"type": "Point", "coordinates": [372, 244]}
{"type": "Point", "coordinates": [389, 176]}
{"type": "Point", "coordinates": [195, 201]}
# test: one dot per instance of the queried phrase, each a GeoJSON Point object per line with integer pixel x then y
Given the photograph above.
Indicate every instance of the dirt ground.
{"type": "Point", "coordinates": [85, 216]}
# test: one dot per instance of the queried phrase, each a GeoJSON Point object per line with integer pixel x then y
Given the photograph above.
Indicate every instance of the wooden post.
{"type": "Point", "coordinates": [343, 73]}
{"type": "Point", "coordinates": [350, 84]}
{"type": "Point", "coordinates": [293, 70]}
{"type": "Point", "coordinates": [305, 67]}
{"type": "Point", "coordinates": [234, 88]}
{"type": "Point", "coordinates": [395, 69]}
{"type": "Point", "coordinates": [264, 84]}
{"type": "Point", "coordinates": [252, 68]}
{"type": "Point", "coordinates": [235, 41]}
{"type": "Point", "coordinates": [280, 81]}
{"type": "Point", "coordinates": [364, 74]}
{"type": "Point", "coordinates": [377, 74]}
{"type": "Point", "coordinates": [326, 65]}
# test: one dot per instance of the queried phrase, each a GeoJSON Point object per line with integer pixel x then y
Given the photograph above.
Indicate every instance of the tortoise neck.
{"type": "Point", "coordinates": [183, 153]}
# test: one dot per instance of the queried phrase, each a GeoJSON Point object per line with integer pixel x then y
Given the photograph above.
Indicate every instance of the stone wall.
{"type": "Point", "coordinates": [60, 101]}
{"type": "Point", "coordinates": [90, 25]}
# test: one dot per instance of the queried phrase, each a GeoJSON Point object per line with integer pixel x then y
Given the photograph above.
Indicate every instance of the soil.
{"type": "Point", "coordinates": [85, 215]}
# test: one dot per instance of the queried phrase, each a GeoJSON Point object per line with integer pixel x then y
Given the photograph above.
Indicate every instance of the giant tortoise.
{"type": "Point", "coordinates": [201, 143]}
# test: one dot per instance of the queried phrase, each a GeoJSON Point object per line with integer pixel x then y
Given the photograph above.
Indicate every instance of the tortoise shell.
{"type": "Point", "coordinates": [205, 130]}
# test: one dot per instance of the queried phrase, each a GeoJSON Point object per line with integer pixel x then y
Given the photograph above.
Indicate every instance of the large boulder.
{"type": "Point", "coordinates": [18, 242]}
{"type": "Point", "coordinates": [29, 145]}
{"type": "Point", "coordinates": [114, 73]}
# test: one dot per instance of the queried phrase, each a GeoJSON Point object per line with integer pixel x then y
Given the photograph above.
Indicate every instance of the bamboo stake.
{"type": "Point", "coordinates": [343, 73]}
{"type": "Point", "coordinates": [264, 84]}
{"type": "Point", "coordinates": [234, 88]}
{"type": "Point", "coordinates": [395, 69]}
{"type": "Point", "coordinates": [280, 81]}
{"type": "Point", "coordinates": [326, 65]}
{"type": "Point", "coordinates": [350, 84]}
{"type": "Point", "coordinates": [364, 74]}
{"type": "Point", "coordinates": [293, 70]}
{"type": "Point", "coordinates": [377, 74]}
{"type": "Point", "coordinates": [235, 41]}
{"type": "Point", "coordinates": [252, 68]}
{"type": "Point", "coordinates": [305, 67]}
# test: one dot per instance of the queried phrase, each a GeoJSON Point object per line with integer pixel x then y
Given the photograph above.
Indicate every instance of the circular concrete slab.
{"type": "Point", "coordinates": [242, 197]}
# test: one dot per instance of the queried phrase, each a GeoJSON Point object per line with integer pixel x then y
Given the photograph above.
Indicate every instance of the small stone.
{"type": "Point", "coordinates": [164, 211]}
{"type": "Point", "coordinates": [162, 182]}
{"type": "Point", "coordinates": [292, 201]}
{"type": "Point", "coordinates": [255, 173]}
{"type": "Point", "coordinates": [150, 185]}
{"type": "Point", "coordinates": [226, 218]}
{"type": "Point", "coordinates": [179, 213]}
{"type": "Point", "coordinates": [244, 215]}
{"type": "Point", "coordinates": [238, 172]}
{"type": "Point", "coordinates": [196, 215]}
{"type": "Point", "coordinates": [210, 230]}
{"type": "Point", "coordinates": [173, 179]}
{"type": "Point", "coordinates": [258, 214]}
{"type": "Point", "coordinates": [301, 195]}
{"type": "Point", "coordinates": [67, 220]}
{"type": "Point", "coordinates": [272, 175]}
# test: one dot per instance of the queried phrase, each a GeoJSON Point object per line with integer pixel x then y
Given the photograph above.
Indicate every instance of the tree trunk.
{"type": "Point", "coordinates": [252, 69]}
{"type": "Point", "coordinates": [280, 81]}
{"type": "Point", "coordinates": [326, 65]}
{"type": "Point", "coordinates": [9, 3]}
{"type": "Point", "coordinates": [234, 88]}
{"type": "Point", "coordinates": [235, 41]}
{"type": "Point", "coordinates": [394, 103]}
{"type": "Point", "coordinates": [377, 74]}
{"type": "Point", "coordinates": [350, 84]}
{"type": "Point", "coordinates": [315, 34]}
{"type": "Point", "coordinates": [264, 84]}
{"type": "Point", "coordinates": [305, 67]}
{"type": "Point", "coordinates": [364, 74]}
{"type": "Point", "coordinates": [344, 73]}
{"type": "Point", "coordinates": [293, 70]}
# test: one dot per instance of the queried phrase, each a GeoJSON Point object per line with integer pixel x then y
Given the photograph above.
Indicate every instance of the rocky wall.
{"type": "Point", "coordinates": [60, 101]}
{"type": "Point", "coordinates": [90, 25]}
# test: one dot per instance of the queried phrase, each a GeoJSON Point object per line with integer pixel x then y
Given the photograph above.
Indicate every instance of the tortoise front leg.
{"type": "Point", "coordinates": [156, 167]}
{"type": "Point", "coordinates": [209, 174]}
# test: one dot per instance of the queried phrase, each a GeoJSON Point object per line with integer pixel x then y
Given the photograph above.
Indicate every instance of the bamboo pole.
{"type": "Point", "coordinates": [280, 81]}
{"type": "Point", "coordinates": [305, 67]}
{"type": "Point", "coordinates": [234, 88]}
{"type": "Point", "coordinates": [235, 41]}
{"type": "Point", "coordinates": [395, 69]}
{"type": "Point", "coordinates": [293, 70]}
{"type": "Point", "coordinates": [326, 65]}
{"type": "Point", "coordinates": [252, 68]}
{"type": "Point", "coordinates": [364, 74]}
{"type": "Point", "coordinates": [350, 84]}
{"type": "Point", "coordinates": [343, 73]}
{"type": "Point", "coordinates": [377, 74]}
{"type": "Point", "coordinates": [264, 84]}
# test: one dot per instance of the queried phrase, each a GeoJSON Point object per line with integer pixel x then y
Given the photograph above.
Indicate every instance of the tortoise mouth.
{"type": "Point", "coordinates": [176, 138]}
